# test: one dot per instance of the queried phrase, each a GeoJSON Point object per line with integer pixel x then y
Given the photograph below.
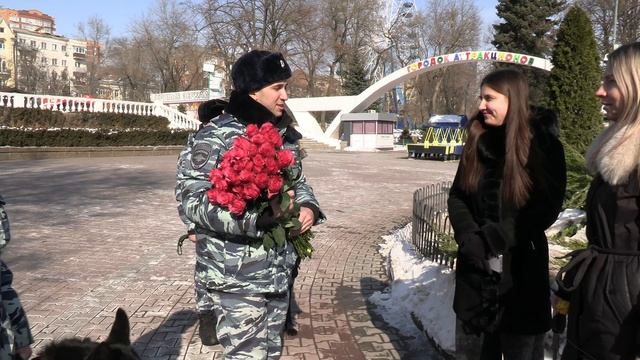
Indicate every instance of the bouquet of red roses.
{"type": "Point", "coordinates": [252, 173]}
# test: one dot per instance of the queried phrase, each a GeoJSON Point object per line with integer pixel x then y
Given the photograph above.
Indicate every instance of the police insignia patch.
{"type": "Point", "coordinates": [200, 155]}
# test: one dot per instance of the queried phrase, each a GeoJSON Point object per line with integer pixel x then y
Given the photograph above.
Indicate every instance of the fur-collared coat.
{"type": "Point", "coordinates": [521, 295]}
{"type": "Point", "coordinates": [604, 315]}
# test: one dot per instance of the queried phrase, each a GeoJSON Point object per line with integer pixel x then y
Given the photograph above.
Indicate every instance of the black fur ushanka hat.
{"type": "Point", "coordinates": [257, 69]}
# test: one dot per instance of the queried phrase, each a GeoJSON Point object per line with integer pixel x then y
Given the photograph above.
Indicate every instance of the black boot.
{"type": "Point", "coordinates": [291, 324]}
{"type": "Point", "coordinates": [208, 322]}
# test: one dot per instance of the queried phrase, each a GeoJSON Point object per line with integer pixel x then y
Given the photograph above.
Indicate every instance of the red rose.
{"type": "Point", "coordinates": [267, 127]}
{"type": "Point", "coordinates": [267, 150]}
{"type": "Point", "coordinates": [245, 176]}
{"type": "Point", "coordinates": [285, 158]}
{"type": "Point", "coordinates": [271, 165]}
{"type": "Point", "coordinates": [275, 183]}
{"type": "Point", "coordinates": [244, 145]}
{"type": "Point", "coordinates": [258, 139]}
{"type": "Point", "coordinates": [237, 206]}
{"type": "Point", "coordinates": [258, 161]}
{"type": "Point", "coordinates": [230, 175]}
{"type": "Point", "coordinates": [274, 139]}
{"type": "Point", "coordinates": [215, 175]}
{"type": "Point", "coordinates": [223, 198]}
{"type": "Point", "coordinates": [250, 191]}
{"type": "Point", "coordinates": [252, 129]}
{"type": "Point", "coordinates": [261, 180]}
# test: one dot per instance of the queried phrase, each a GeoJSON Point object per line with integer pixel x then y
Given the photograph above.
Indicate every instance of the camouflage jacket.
{"type": "Point", "coordinates": [5, 235]}
{"type": "Point", "coordinates": [13, 320]}
{"type": "Point", "coordinates": [225, 256]}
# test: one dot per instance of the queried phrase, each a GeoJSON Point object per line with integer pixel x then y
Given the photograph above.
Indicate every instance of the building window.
{"type": "Point", "coordinates": [1, 44]}
{"type": "Point", "coordinates": [44, 61]}
{"type": "Point", "coordinates": [54, 62]}
{"type": "Point", "coordinates": [54, 46]}
{"type": "Point", "coordinates": [1, 29]}
{"type": "Point", "coordinates": [358, 127]}
{"type": "Point", "coordinates": [43, 45]}
{"type": "Point", "coordinates": [77, 64]}
{"type": "Point", "coordinates": [385, 128]}
{"type": "Point", "coordinates": [369, 127]}
{"type": "Point", "coordinates": [33, 43]}
{"type": "Point", "coordinates": [63, 62]}
{"type": "Point", "coordinates": [63, 48]}
{"type": "Point", "coordinates": [22, 41]}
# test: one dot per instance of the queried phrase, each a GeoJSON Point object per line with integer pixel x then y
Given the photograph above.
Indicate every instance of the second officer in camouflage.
{"type": "Point", "coordinates": [249, 284]}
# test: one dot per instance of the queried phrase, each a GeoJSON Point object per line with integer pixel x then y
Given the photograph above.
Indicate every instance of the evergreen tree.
{"type": "Point", "coordinates": [527, 28]}
{"type": "Point", "coordinates": [574, 78]}
{"type": "Point", "coordinates": [354, 76]}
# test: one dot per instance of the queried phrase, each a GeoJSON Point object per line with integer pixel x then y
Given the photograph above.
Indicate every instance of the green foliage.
{"type": "Point", "coordinates": [48, 119]}
{"type": "Point", "coordinates": [79, 138]}
{"type": "Point", "coordinates": [354, 76]}
{"type": "Point", "coordinates": [574, 79]}
{"type": "Point", "coordinates": [527, 28]}
{"type": "Point", "coordinates": [578, 179]}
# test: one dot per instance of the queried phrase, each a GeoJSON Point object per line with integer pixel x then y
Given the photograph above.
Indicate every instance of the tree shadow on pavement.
{"type": "Point", "coordinates": [165, 341]}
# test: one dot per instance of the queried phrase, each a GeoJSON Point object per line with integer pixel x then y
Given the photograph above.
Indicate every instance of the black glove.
{"type": "Point", "coordinates": [473, 251]}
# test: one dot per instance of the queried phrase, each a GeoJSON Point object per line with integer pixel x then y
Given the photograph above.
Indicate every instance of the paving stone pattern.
{"type": "Point", "coordinates": [94, 234]}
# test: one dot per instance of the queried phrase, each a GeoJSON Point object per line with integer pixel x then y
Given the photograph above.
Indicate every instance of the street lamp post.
{"type": "Point", "coordinates": [615, 25]}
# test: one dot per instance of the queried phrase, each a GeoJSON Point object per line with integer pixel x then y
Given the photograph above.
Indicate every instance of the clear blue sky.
{"type": "Point", "coordinates": [118, 14]}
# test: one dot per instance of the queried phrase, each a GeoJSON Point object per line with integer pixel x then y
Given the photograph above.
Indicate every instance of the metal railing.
{"type": "Point", "coordinates": [431, 231]}
{"type": "Point", "coordinates": [177, 120]}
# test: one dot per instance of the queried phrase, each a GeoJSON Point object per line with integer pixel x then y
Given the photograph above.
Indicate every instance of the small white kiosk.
{"type": "Point", "coordinates": [368, 131]}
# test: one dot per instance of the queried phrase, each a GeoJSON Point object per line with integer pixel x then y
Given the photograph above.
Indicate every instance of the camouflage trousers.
{"type": "Point", "coordinates": [204, 301]}
{"type": "Point", "coordinates": [250, 326]}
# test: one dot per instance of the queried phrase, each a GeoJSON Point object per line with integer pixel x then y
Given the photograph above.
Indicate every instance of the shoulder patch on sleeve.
{"type": "Point", "coordinates": [200, 155]}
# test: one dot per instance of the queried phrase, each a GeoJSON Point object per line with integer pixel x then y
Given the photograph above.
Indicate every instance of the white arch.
{"type": "Point", "coordinates": [309, 127]}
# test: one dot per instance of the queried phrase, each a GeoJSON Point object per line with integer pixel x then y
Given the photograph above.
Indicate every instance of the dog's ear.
{"type": "Point", "coordinates": [120, 330]}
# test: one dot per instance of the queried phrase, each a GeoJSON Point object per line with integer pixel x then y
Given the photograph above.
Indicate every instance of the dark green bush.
{"type": "Point", "coordinates": [47, 119]}
{"type": "Point", "coordinates": [78, 138]}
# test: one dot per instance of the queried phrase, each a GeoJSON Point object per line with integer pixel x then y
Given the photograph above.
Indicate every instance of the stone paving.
{"type": "Point", "coordinates": [94, 234]}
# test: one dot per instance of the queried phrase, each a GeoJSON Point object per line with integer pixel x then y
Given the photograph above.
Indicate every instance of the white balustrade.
{"type": "Point", "coordinates": [177, 120]}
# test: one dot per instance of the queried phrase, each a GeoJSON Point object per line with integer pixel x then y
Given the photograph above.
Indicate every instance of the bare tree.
{"type": "Point", "coordinates": [446, 27]}
{"type": "Point", "coordinates": [32, 75]}
{"type": "Point", "coordinates": [97, 34]}
{"type": "Point", "coordinates": [602, 17]}
{"type": "Point", "coordinates": [169, 41]}
{"type": "Point", "coordinates": [128, 62]}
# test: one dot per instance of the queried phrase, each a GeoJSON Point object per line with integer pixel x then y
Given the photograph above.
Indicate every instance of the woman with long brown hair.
{"type": "Point", "coordinates": [508, 189]}
{"type": "Point", "coordinates": [602, 281]}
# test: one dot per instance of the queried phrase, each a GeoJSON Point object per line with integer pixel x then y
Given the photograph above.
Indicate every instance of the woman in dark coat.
{"type": "Point", "coordinates": [603, 281]}
{"type": "Point", "coordinates": [508, 189]}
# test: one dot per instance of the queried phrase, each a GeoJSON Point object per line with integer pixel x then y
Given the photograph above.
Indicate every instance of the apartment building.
{"type": "Point", "coordinates": [31, 20]}
{"type": "Point", "coordinates": [36, 58]}
{"type": "Point", "coordinates": [7, 39]}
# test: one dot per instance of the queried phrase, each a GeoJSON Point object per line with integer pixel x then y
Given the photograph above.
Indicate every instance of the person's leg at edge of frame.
{"type": "Point", "coordinates": [522, 347]}
{"type": "Point", "coordinates": [277, 305]}
{"type": "Point", "coordinates": [206, 316]}
{"type": "Point", "coordinates": [467, 345]}
{"type": "Point", "coordinates": [291, 324]}
{"type": "Point", "coordinates": [242, 325]}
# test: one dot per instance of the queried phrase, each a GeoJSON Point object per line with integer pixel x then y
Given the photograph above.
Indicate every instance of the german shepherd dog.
{"type": "Point", "coordinates": [116, 347]}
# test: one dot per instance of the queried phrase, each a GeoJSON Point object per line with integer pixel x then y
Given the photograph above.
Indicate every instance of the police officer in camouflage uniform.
{"type": "Point", "coordinates": [15, 334]}
{"type": "Point", "coordinates": [249, 284]}
{"type": "Point", "coordinates": [207, 111]}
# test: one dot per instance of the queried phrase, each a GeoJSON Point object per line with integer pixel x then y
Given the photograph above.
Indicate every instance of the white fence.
{"type": "Point", "coordinates": [177, 120]}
